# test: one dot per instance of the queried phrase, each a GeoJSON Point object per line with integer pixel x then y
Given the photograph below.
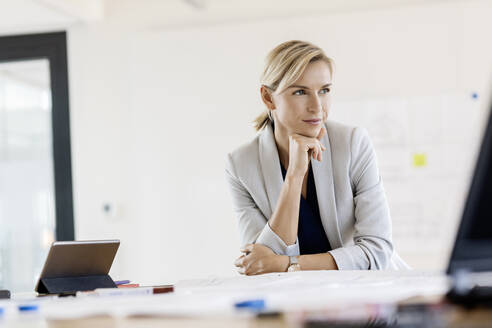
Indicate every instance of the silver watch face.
{"type": "Point", "coordinates": [294, 267]}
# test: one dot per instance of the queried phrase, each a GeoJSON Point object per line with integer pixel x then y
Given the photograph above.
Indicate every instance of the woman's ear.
{"type": "Point", "coordinates": [266, 96]}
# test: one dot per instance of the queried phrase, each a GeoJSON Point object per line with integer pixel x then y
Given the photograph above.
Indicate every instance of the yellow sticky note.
{"type": "Point", "coordinates": [419, 159]}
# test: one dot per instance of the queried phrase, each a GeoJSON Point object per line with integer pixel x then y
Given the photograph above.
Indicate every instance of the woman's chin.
{"type": "Point", "coordinates": [310, 132]}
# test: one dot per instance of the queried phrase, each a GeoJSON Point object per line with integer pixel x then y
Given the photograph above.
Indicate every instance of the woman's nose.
{"type": "Point", "coordinates": [315, 104]}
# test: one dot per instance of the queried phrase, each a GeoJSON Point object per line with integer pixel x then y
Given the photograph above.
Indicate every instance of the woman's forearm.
{"type": "Point", "coordinates": [285, 218]}
{"type": "Point", "coordinates": [321, 261]}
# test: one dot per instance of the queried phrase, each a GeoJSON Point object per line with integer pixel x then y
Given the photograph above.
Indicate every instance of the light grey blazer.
{"type": "Point", "coordinates": [352, 203]}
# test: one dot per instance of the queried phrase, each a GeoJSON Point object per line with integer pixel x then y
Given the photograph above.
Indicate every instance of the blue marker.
{"type": "Point", "coordinates": [28, 307]}
{"type": "Point", "coordinates": [254, 305]}
{"type": "Point", "coordinates": [1, 311]}
{"type": "Point", "coordinates": [121, 282]}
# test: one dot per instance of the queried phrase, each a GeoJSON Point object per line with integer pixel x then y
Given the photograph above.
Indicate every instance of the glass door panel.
{"type": "Point", "coordinates": [27, 202]}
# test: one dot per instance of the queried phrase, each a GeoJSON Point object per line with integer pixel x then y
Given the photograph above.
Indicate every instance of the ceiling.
{"type": "Point", "coordinates": [17, 16]}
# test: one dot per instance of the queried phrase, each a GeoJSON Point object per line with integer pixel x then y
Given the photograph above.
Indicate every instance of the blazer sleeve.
{"type": "Point", "coordinates": [253, 225]}
{"type": "Point", "coordinates": [372, 247]}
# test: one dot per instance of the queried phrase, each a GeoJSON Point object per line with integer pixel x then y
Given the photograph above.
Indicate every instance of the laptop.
{"type": "Point", "coordinates": [470, 263]}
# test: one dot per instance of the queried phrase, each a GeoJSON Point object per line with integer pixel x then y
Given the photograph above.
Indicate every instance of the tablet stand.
{"type": "Point", "coordinates": [64, 285]}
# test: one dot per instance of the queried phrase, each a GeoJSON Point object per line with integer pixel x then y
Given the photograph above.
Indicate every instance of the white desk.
{"type": "Point", "coordinates": [210, 302]}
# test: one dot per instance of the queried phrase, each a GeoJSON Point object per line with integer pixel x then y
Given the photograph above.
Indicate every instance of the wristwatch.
{"type": "Point", "coordinates": [293, 264]}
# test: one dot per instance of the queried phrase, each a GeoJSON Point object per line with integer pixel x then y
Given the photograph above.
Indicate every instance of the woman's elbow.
{"type": "Point", "coordinates": [379, 253]}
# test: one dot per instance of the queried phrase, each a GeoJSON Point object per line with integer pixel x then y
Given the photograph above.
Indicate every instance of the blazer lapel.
{"type": "Point", "coordinates": [325, 191]}
{"type": "Point", "coordinates": [270, 167]}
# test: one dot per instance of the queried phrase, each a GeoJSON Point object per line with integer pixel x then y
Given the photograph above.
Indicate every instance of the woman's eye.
{"type": "Point", "coordinates": [299, 92]}
{"type": "Point", "coordinates": [325, 90]}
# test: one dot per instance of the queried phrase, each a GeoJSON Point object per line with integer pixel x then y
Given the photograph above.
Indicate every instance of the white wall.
{"type": "Point", "coordinates": [155, 110]}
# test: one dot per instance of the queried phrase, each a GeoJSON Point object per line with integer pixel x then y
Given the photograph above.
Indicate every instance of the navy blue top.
{"type": "Point", "coordinates": [310, 232]}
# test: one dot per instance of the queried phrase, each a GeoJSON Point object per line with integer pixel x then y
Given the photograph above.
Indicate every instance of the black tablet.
{"type": "Point", "coordinates": [77, 265]}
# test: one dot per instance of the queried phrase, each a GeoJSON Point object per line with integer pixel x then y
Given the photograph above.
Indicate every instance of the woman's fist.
{"type": "Point", "coordinates": [301, 148]}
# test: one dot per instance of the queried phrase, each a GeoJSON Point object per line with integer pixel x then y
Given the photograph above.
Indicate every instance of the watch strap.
{"type": "Point", "coordinates": [293, 260]}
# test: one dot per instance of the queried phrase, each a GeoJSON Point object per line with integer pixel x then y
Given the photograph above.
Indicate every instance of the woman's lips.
{"type": "Point", "coordinates": [313, 122]}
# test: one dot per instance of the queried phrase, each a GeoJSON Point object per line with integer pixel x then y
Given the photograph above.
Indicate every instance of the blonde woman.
{"type": "Point", "coordinates": [306, 191]}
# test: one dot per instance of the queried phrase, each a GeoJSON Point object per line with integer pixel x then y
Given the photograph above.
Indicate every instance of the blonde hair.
{"type": "Point", "coordinates": [283, 66]}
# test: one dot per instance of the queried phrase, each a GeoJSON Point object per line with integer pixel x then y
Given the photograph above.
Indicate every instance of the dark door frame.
{"type": "Point", "coordinates": [52, 46]}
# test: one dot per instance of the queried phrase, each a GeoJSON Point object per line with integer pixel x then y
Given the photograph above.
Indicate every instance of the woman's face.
{"type": "Point", "coordinates": [303, 107]}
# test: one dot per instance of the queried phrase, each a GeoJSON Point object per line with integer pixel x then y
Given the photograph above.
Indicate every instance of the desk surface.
{"type": "Point", "coordinates": [210, 302]}
{"type": "Point", "coordinates": [457, 318]}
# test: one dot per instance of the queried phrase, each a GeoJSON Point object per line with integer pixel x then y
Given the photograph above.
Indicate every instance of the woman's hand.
{"type": "Point", "coordinates": [258, 259]}
{"type": "Point", "coordinates": [301, 148]}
